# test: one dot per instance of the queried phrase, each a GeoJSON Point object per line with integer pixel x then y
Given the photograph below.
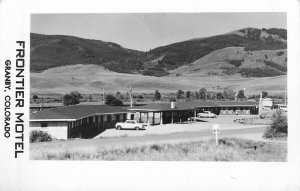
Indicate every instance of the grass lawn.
{"type": "Point", "coordinates": [229, 149]}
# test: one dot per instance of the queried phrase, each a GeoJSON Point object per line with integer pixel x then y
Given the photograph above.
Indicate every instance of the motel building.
{"type": "Point", "coordinates": [174, 112]}
{"type": "Point", "coordinates": [87, 121]}
{"type": "Point", "coordinates": [77, 121]}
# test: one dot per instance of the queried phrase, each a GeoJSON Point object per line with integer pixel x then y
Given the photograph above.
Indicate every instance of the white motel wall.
{"type": "Point", "coordinates": [60, 129]}
{"type": "Point", "coordinates": [57, 129]}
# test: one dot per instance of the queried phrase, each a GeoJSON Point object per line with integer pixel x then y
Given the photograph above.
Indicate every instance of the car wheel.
{"type": "Point", "coordinates": [137, 128]}
{"type": "Point", "coordinates": [119, 127]}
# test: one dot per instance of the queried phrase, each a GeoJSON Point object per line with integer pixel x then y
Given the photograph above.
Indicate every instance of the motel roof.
{"type": "Point", "coordinates": [189, 105]}
{"type": "Point", "coordinates": [235, 103]}
{"type": "Point", "coordinates": [75, 112]}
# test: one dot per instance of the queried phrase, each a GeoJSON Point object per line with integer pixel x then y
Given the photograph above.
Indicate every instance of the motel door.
{"type": "Point", "coordinates": [132, 116]}
{"type": "Point", "coordinates": [101, 121]}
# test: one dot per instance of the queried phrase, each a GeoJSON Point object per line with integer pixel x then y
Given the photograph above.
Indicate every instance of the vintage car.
{"type": "Point", "coordinates": [207, 114]}
{"type": "Point", "coordinates": [130, 124]}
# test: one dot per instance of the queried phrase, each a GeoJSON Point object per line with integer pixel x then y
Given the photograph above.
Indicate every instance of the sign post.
{"type": "Point", "coordinates": [216, 130]}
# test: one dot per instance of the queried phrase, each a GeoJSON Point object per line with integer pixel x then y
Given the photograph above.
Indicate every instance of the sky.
{"type": "Point", "coordinates": [145, 31]}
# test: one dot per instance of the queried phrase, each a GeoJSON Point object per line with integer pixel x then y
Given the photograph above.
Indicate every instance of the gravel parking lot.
{"type": "Point", "coordinates": [206, 124]}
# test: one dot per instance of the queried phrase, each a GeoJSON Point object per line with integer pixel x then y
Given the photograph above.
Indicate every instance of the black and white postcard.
{"type": "Point", "coordinates": [149, 95]}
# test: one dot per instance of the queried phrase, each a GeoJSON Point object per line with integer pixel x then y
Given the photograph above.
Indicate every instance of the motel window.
{"type": "Point", "coordinates": [44, 125]}
{"type": "Point", "coordinates": [117, 117]}
{"type": "Point", "coordinates": [108, 118]}
{"type": "Point", "coordinates": [90, 120]}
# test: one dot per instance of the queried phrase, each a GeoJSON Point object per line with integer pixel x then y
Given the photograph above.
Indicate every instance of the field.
{"type": "Point", "coordinates": [229, 149]}
{"type": "Point", "coordinates": [91, 79]}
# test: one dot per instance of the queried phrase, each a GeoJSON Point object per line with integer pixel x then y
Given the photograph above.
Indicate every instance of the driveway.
{"type": "Point", "coordinates": [206, 124]}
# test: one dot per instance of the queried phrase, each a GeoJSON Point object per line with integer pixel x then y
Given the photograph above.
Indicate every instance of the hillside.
{"type": "Point", "coordinates": [221, 62]}
{"type": "Point", "coordinates": [184, 53]}
{"type": "Point", "coordinates": [49, 51]}
{"type": "Point", "coordinates": [89, 79]}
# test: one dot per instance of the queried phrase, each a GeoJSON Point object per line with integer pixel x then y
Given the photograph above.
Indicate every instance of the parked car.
{"type": "Point", "coordinates": [207, 114]}
{"type": "Point", "coordinates": [130, 124]}
{"type": "Point", "coordinates": [283, 108]}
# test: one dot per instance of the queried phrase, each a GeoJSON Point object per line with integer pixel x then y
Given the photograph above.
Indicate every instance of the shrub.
{"type": "Point", "coordinates": [157, 95]}
{"type": "Point", "coordinates": [72, 99]}
{"type": "Point", "coordinates": [112, 101]}
{"type": "Point", "coordinates": [278, 127]}
{"type": "Point", "coordinates": [235, 62]}
{"type": "Point", "coordinates": [39, 136]}
{"type": "Point", "coordinates": [35, 97]}
{"type": "Point", "coordinates": [279, 53]}
{"type": "Point", "coordinates": [172, 99]}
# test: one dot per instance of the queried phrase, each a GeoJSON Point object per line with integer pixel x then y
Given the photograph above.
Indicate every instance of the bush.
{"type": "Point", "coordinates": [278, 127]}
{"type": "Point", "coordinates": [235, 62]}
{"type": "Point", "coordinates": [112, 101]}
{"type": "Point", "coordinates": [157, 95]}
{"type": "Point", "coordinates": [72, 99]}
{"type": "Point", "coordinates": [279, 53]}
{"type": "Point", "coordinates": [39, 136]}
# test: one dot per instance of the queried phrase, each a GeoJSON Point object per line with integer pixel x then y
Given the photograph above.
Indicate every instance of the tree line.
{"type": "Point", "coordinates": [118, 98]}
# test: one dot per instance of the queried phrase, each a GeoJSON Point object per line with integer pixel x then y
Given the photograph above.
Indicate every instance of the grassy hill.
{"type": "Point", "coordinates": [49, 51]}
{"type": "Point", "coordinates": [186, 52]}
{"type": "Point", "coordinates": [91, 79]}
{"type": "Point", "coordinates": [235, 61]}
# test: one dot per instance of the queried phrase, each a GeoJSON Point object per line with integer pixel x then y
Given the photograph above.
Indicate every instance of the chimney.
{"type": "Point", "coordinates": [172, 105]}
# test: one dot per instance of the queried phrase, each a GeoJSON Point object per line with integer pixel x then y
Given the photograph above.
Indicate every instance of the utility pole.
{"type": "Point", "coordinates": [130, 94]}
{"type": "Point", "coordinates": [42, 103]}
{"type": "Point", "coordinates": [103, 98]}
{"type": "Point", "coordinates": [260, 104]}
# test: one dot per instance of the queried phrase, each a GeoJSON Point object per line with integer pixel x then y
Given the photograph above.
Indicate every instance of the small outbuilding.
{"type": "Point", "coordinates": [267, 103]}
